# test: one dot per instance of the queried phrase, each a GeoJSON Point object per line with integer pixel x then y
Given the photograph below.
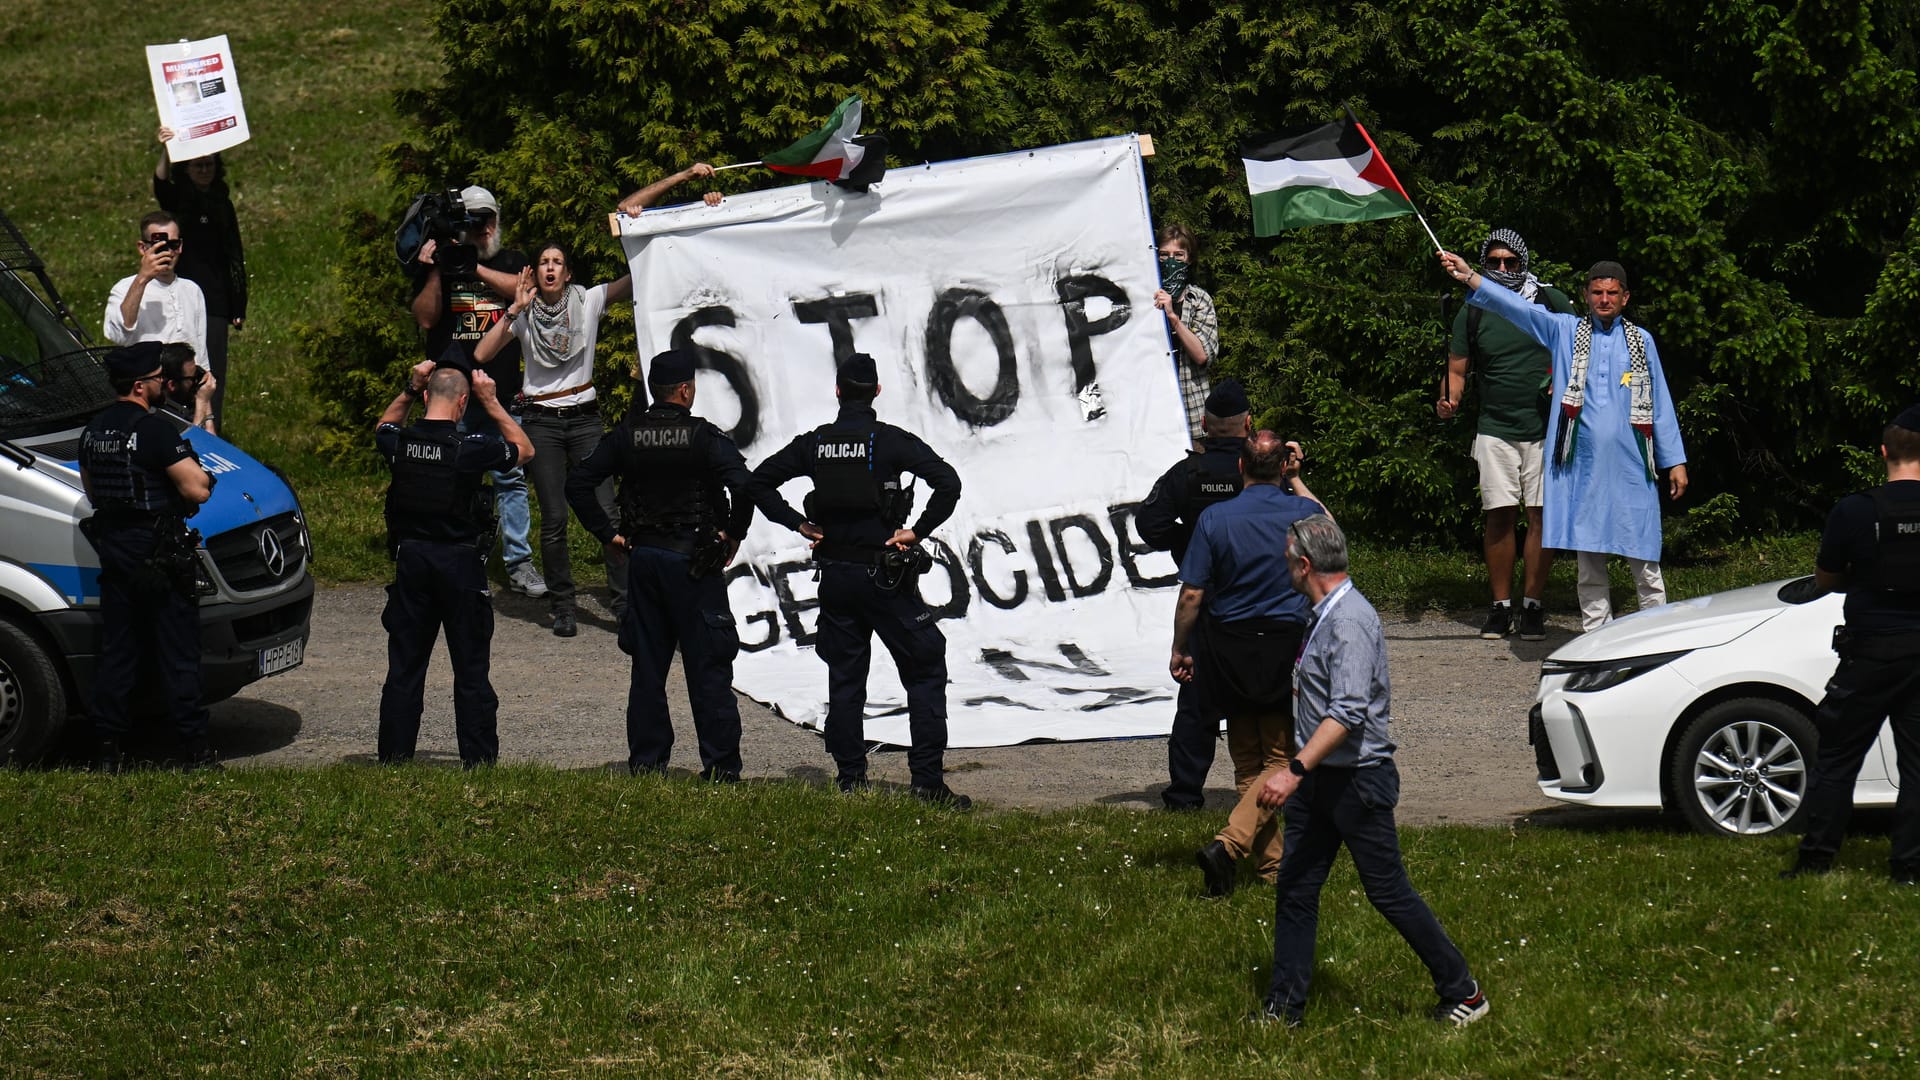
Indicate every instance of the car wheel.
{"type": "Point", "coordinates": [1743, 768]}
{"type": "Point", "coordinates": [33, 701]}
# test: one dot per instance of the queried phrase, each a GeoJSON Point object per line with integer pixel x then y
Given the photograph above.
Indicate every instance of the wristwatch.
{"type": "Point", "coordinates": [1297, 769]}
{"type": "Point", "coordinates": [406, 388]}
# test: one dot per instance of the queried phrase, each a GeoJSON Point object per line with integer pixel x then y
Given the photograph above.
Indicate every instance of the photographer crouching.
{"type": "Point", "coordinates": [144, 481]}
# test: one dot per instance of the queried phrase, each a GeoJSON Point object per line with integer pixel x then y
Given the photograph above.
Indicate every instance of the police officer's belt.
{"type": "Point", "coordinates": [851, 553]}
{"type": "Point", "coordinates": [684, 543]}
{"type": "Point", "coordinates": [127, 517]}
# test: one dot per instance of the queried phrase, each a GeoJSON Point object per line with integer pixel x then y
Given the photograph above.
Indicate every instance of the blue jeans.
{"type": "Point", "coordinates": [516, 516]}
{"type": "Point", "coordinates": [1352, 806]}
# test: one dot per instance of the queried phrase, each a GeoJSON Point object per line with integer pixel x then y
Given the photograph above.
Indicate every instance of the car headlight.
{"type": "Point", "coordinates": [1588, 676]}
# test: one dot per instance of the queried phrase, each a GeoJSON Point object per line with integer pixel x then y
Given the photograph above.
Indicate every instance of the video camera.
{"type": "Point", "coordinates": [898, 566]}
{"type": "Point", "coordinates": [444, 218]}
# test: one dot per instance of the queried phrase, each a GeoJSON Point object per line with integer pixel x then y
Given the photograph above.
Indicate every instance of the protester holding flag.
{"type": "Point", "coordinates": [1611, 433]}
{"type": "Point", "coordinates": [1513, 374]}
{"type": "Point", "coordinates": [1191, 323]}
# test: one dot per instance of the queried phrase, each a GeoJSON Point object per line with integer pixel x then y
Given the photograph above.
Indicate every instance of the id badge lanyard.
{"type": "Point", "coordinates": [1332, 601]}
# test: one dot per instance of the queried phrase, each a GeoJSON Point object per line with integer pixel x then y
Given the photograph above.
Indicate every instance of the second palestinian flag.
{"type": "Point", "coordinates": [1327, 175]}
{"type": "Point", "coordinates": [827, 154]}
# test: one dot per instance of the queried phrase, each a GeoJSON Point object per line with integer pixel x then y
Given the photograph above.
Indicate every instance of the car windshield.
{"type": "Point", "coordinates": [48, 379]}
{"type": "Point", "coordinates": [1800, 591]}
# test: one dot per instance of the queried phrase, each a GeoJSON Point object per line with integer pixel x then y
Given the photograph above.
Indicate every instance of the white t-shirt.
{"type": "Point", "coordinates": [169, 312]}
{"type": "Point", "coordinates": [573, 336]}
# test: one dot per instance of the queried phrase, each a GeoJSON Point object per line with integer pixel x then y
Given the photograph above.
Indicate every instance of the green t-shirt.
{"type": "Point", "coordinates": [1513, 373]}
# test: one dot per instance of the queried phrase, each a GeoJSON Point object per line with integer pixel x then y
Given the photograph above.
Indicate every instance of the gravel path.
{"type": "Point", "coordinates": [1460, 708]}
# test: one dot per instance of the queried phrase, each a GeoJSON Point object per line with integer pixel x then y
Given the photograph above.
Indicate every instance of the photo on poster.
{"type": "Point", "coordinates": [197, 94]}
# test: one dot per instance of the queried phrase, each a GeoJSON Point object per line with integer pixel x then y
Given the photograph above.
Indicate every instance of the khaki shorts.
{"type": "Point", "coordinates": [1510, 472]}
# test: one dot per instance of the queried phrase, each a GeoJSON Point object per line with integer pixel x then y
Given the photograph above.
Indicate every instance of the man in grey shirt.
{"type": "Point", "coordinates": [1342, 786]}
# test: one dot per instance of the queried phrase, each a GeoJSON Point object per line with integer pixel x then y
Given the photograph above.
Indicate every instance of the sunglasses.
{"type": "Point", "coordinates": [163, 243]}
{"type": "Point", "coordinates": [1511, 262]}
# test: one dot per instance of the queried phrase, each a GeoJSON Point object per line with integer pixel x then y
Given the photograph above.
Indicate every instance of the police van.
{"type": "Point", "coordinates": [255, 591]}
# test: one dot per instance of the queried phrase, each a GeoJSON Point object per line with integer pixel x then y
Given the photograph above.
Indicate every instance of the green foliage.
{"type": "Point", "coordinates": [1751, 166]}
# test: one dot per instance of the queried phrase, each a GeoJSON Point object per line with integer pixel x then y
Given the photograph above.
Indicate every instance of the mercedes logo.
{"type": "Point", "coordinates": [271, 552]}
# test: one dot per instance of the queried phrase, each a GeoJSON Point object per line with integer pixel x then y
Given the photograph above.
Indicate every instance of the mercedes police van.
{"type": "Point", "coordinates": [256, 595]}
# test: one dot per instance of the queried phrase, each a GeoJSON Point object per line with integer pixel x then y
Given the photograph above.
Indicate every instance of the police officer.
{"type": "Point", "coordinates": [857, 512]}
{"type": "Point", "coordinates": [439, 531]}
{"type": "Point", "coordinates": [1203, 477]}
{"type": "Point", "coordinates": [144, 480]}
{"type": "Point", "coordinates": [1871, 551]}
{"type": "Point", "coordinates": [679, 530]}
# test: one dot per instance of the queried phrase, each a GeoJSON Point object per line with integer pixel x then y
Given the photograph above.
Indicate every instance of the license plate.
{"type": "Point", "coordinates": [282, 657]}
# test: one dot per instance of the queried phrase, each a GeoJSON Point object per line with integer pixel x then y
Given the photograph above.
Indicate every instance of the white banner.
{"type": "Point", "coordinates": [1008, 301]}
{"type": "Point", "coordinates": [198, 95]}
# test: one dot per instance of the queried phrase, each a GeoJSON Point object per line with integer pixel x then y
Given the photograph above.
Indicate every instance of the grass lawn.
{"type": "Point", "coordinates": [421, 921]}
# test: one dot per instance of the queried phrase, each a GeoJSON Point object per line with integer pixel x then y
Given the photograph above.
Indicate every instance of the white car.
{"type": "Point", "coordinates": [1704, 706]}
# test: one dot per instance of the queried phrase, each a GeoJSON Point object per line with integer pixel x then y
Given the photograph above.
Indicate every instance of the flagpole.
{"type": "Point", "coordinates": [1417, 215]}
{"type": "Point", "coordinates": [737, 165]}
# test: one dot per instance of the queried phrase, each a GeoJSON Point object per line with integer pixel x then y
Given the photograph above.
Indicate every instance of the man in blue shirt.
{"type": "Point", "coordinates": [1237, 628]}
{"type": "Point", "coordinates": [1342, 786]}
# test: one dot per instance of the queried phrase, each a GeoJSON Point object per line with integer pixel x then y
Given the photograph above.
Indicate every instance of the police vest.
{"type": "Point", "coordinates": [429, 499]}
{"type": "Point", "coordinates": [1212, 477]}
{"type": "Point", "coordinates": [1896, 567]}
{"type": "Point", "coordinates": [118, 482]}
{"type": "Point", "coordinates": [845, 478]}
{"type": "Point", "coordinates": [667, 487]}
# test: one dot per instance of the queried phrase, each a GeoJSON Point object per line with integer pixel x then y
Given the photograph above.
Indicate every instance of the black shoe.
{"type": "Point", "coordinates": [107, 758]}
{"type": "Point", "coordinates": [1270, 1013]}
{"type": "Point", "coordinates": [942, 796]}
{"type": "Point", "coordinates": [1463, 1012]}
{"type": "Point", "coordinates": [1806, 867]}
{"type": "Point", "coordinates": [720, 776]}
{"type": "Point", "coordinates": [853, 785]}
{"type": "Point", "coordinates": [1217, 863]}
{"type": "Point", "coordinates": [564, 624]}
{"type": "Point", "coordinates": [645, 770]}
{"type": "Point", "coordinates": [1499, 622]}
{"type": "Point", "coordinates": [1533, 622]}
{"type": "Point", "coordinates": [204, 761]}
{"type": "Point", "coordinates": [1173, 807]}
{"type": "Point", "coordinates": [1904, 877]}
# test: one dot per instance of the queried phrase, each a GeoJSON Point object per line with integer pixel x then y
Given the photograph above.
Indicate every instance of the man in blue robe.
{"type": "Point", "coordinates": [1610, 430]}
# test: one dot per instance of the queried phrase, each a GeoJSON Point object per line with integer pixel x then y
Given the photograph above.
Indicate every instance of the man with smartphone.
{"type": "Point", "coordinates": [156, 304]}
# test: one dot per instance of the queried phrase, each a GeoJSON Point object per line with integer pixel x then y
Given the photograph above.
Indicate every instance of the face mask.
{"type": "Point", "coordinates": [1512, 279]}
{"type": "Point", "coordinates": [1173, 275]}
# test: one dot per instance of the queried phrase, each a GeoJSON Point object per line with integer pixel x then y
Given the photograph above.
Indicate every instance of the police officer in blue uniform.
{"type": "Point", "coordinates": [680, 530]}
{"type": "Point", "coordinates": [144, 481]}
{"type": "Point", "coordinates": [1205, 476]}
{"type": "Point", "coordinates": [439, 532]}
{"type": "Point", "coordinates": [857, 513]}
{"type": "Point", "coordinates": [1871, 551]}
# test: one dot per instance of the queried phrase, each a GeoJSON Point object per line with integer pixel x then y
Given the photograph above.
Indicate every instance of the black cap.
{"type": "Point", "coordinates": [857, 370]}
{"type": "Point", "coordinates": [133, 361]}
{"type": "Point", "coordinates": [1607, 268]}
{"type": "Point", "coordinates": [671, 368]}
{"type": "Point", "coordinates": [1910, 419]}
{"type": "Point", "coordinates": [1228, 399]}
{"type": "Point", "coordinates": [455, 356]}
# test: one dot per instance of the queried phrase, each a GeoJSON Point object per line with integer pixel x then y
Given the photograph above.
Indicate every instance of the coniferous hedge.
{"type": "Point", "coordinates": [1752, 164]}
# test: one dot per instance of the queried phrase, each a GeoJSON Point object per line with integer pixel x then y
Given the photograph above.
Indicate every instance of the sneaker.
{"type": "Point", "coordinates": [1499, 622]}
{"type": "Point", "coordinates": [942, 796]}
{"type": "Point", "coordinates": [523, 578]}
{"type": "Point", "coordinates": [853, 785]}
{"type": "Point", "coordinates": [1462, 1013]}
{"type": "Point", "coordinates": [564, 624]}
{"type": "Point", "coordinates": [1533, 623]}
{"type": "Point", "coordinates": [1217, 863]}
{"type": "Point", "coordinates": [1271, 1014]}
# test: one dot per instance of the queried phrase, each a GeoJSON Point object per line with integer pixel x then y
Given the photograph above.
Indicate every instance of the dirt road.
{"type": "Point", "coordinates": [1459, 707]}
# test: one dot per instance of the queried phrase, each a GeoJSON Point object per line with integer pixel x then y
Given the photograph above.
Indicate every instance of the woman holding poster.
{"type": "Point", "coordinates": [195, 193]}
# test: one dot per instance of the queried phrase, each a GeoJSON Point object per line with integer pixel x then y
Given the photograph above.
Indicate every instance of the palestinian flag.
{"type": "Point", "coordinates": [828, 154]}
{"type": "Point", "coordinates": [1328, 175]}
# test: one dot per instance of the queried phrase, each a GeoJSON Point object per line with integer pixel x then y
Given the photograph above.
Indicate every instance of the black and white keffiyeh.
{"type": "Point", "coordinates": [1522, 280]}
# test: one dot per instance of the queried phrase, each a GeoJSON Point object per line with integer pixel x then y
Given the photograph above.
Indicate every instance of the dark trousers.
{"type": "Point", "coordinates": [666, 608]}
{"type": "Point", "coordinates": [144, 625]}
{"type": "Point", "coordinates": [216, 360]}
{"type": "Point", "coordinates": [560, 443]}
{"type": "Point", "coordinates": [436, 585]}
{"type": "Point", "coordinates": [853, 608]}
{"type": "Point", "coordinates": [1196, 727]}
{"type": "Point", "coordinates": [1878, 679]}
{"type": "Point", "coordinates": [1352, 806]}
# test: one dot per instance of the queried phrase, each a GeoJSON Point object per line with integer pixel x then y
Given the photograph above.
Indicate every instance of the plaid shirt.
{"type": "Point", "coordinates": [1196, 311]}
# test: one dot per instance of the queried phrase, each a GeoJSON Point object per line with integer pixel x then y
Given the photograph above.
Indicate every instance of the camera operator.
{"type": "Point", "coordinates": [190, 387]}
{"type": "Point", "coordinates": [857, 514]}
{"type": "Point", "coordinates": [679, 529]}
{"type": "Point", "coordinates": [436, 520]}
{"type": "Point", "coordinates": [156, 303]}
{"type": "Point", "coordinates": [144, 480]}
{"type": "Point", "coordinates": [463, 282]}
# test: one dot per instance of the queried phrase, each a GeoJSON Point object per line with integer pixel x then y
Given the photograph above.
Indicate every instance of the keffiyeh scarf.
{"type": "Point", "coordinates": [553, 325]}
{"type": "Point", "coordinates": [1522, 280]}
{"type": "Point", "coordinates": [1638, 380]}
